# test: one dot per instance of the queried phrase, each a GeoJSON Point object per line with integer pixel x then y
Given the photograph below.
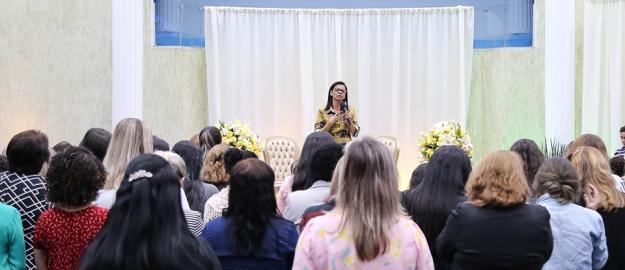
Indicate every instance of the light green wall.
{"type": "Point", "coordinates": [174, 86]}
{"type": "Point", "coordinates": [507, 93]}
{"type": "Point", "coordinates": [55, 67]}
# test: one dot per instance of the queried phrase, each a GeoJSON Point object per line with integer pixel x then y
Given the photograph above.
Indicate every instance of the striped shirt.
{"type": "Point", "coordinates": [620, 152]}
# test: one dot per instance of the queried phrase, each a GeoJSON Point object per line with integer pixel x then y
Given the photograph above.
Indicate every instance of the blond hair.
{"type": "Point", "coordinates": [213, 170]}
{"type": "Point", "coordinates": [593, 168]}
{"type": "Point", "coordinates": [175, 161]}
{"type": "Point", "coordinates": [498, 181]}
{"type": "Point", "coordinates": [368, 198]}
{"type": "Point", "coordinates": [131, 138]}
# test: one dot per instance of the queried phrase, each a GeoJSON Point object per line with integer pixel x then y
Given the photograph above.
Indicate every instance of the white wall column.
{"type": "Point", "coordinates": [560, 70]}
{"type": "Point", "coordinates": [127, 62]}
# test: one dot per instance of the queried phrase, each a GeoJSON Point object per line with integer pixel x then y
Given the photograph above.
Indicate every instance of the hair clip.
{"type": "Point", "coordinates": [139, 174]}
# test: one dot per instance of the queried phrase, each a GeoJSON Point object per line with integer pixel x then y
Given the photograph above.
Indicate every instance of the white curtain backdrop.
{"type": "Point", "coordinates": [405, 69]}
{"type": "Point", "coordinates": [603, 109]}
{"type": "Point", "coordinates": [560, 70]}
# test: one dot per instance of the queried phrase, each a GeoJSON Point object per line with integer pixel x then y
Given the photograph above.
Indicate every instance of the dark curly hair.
{"type": "Point", "coordinates": [4, 163]}
{"type": "Point", "coordinates": [531, 155]}
{"type": "Point", "coordinates": [617, 165]}
{"type": "Point", "coordinates": [74, 177]}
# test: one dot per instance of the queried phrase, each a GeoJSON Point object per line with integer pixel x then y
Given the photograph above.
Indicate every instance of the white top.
{"type": "Point", "coordinates": [618, 182]}
{"type": "Point", "coordinates": [297, 202]}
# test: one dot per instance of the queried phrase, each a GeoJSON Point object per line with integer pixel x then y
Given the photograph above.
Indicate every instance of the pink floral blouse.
{"type": "Point", "coordinates": [322, 246]}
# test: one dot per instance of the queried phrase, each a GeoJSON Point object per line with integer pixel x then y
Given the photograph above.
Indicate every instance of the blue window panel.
{"type": "Point", "coordinates": [498, 23]}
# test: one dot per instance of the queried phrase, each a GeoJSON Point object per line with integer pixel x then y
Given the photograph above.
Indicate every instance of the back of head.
{"type": "Point", "coordinates": [27, 152]}
{"type": "Point", "coordinates": [617, 165]}
{"type": "Point", "coordinates": [131, 138]}
{"type": "Point", "coordinates": [440, 191]}
{"type": "Point", "coordinates": [558, 178]}
{"type": "Point", "coordinates": [97, 141]}
{"type": "Point", "coordinates": [176, 162]}
{"type": "Point", "coordinates": [209, 137]}
{"type": "Point", "coordinates": [368, 197]}
{"type": "Point", "coordinates": [147, 211]}
{"type": "Point", "coordinates": [531, 155]}
{"type": "Point", "coordinates": [324, 161]}
{"type": "Point", "coordinates": [192, 156]}
{"type": "Point", "coordinates": [74, 178]}
{"type": "Point", "coordinates": [593, 168]}
{"type": "Point", "coordinates": [60, 147]}
{"type": "Point", "coordinates": [233, 155]}
{"type": "Point", "coordinates": [589, 140]}
{"type": "Point", "coordinates": [302, 179]}
{"type": "Point", "coordinates": [416, 178]}
{"type": "Point", "coordinates": [4, 163]}
{"type": "Point", "coordinates": [499, 181]}
{"type": "Point", "coordinates": [213, 170]}
{"type": "Point", "coordinates": [251, 204]}
{"type": "Point", "coordinates": [159, 144]}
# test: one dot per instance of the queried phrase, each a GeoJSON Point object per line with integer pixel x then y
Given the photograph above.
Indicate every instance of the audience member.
{"type": "Point", "coordinates": [322, 164]}
{"type": "Point", "coordinates": [251, 234]}
{"type": "Point", "coordinates": [621, 151]}
{"type": "Point", "coordinates": [213, 170]}
{"type": "Point", "coordinates": [159, 144]}
{"type": "Point", "coordinates": [131, 138]}
{"type": "Point", "coordinates": [329, 203]}
{"type": "Point", "coordinates": [196, 191]}
{"type": "Point", "coordinates": [12, 254]}
{"type": "Point", "coordinates": [61, 147]}
{"type": "Point", "coordinates": [441, 190]}
{"type": "Point", "coordinates": [367, 229]}
{"type": "Point", "coordinates": [594, 141]}
{"type": "Point", "coordinates": [416, 178]}
{"type": "Point", "coordinates": [146, 228]}
{"type": "Point", "coordinates": [194, 218]}
{"type": "Point", "coordinates": [209, 137]}
{"type": "Point", "coordinates": [532, 158]}
{"type": "Point", "coordinates": [579, 240]}
{"type": "Point", "coordinates": [617, 165]}
{"type": "Point", "coordinates": [496, 229]}
{"type": "Point", "coordinates": [598, 183]}
{"type": "Point", "coordinates": [97, 140]}
{"type": "Point", "coordinates": [217, 203]}
{"type": "Point", "coordinates": [301, 172]}
{"type": "Point", "coordinates": [4, 163]}
{"type": "Point", "coordinates": [21, 186]}
{"type": "Point", "coordinates": [63, 233]}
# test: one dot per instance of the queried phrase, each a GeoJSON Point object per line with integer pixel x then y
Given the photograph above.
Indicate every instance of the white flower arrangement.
{"type": "Point", "coordinates": [239, 135]}
{"type": "Point", "coordinates": [444, 133]}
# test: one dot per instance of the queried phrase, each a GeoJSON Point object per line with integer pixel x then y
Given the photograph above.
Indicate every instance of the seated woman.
{"type": "Point", "coordinates": [496, 229]}
{"type": "Point", "coordinates": [213, 170]}
{"type": "Point", "coordinates": [597, 181]}
{"type": "Point", "coordinates": [63, 233]}
{"type": "Point", "coordinates": [322, 166]}
{"type": "Point", "coordinates": [368, 228]}
{"type": "Point", "coordinates": [146, 228]}
{"type": "Point", "coordinates": [578, 234]}
{"type": "Point", "coordinates": [196, 191]}
{"type": "Point", "coordinates": [251, 234]}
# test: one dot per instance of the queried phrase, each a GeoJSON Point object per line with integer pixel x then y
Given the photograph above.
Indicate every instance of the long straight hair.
{"type": "Point", "coordinates": [442, 188]}
{"type": "Point", "coordinates": [146, 228]}
{"type": "Point", "coordinates": [251, 204]}
{"type": "Point", "coordinates": [302, 178]}
{"type": "Point", "coordinates": [131, 138]}
{"type": "Point", "coordinates": [593, 168]}
{"type": "Point", "coordinates": [193, 186]}
{"type": "Point", "coordinates": [368, 200]}
{"type": "Point", "coordinates": [329, 103]}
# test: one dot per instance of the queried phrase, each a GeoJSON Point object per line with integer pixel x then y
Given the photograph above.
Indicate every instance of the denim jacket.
{"type": "Point", "coordinates": [579, 240]}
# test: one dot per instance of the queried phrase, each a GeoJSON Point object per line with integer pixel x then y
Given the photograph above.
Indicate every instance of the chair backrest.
{"type": "Point", "coordinates": [280, 153]}
{"type": "Point", "coordinates": [392, 144]}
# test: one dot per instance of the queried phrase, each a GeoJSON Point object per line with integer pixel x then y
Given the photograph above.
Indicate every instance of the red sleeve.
{"type": "Point", "coordinates": [41, 231]}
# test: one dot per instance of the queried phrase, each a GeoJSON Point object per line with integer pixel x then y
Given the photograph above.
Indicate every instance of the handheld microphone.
{"type": "Point", "coordinates": [344, 106]}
